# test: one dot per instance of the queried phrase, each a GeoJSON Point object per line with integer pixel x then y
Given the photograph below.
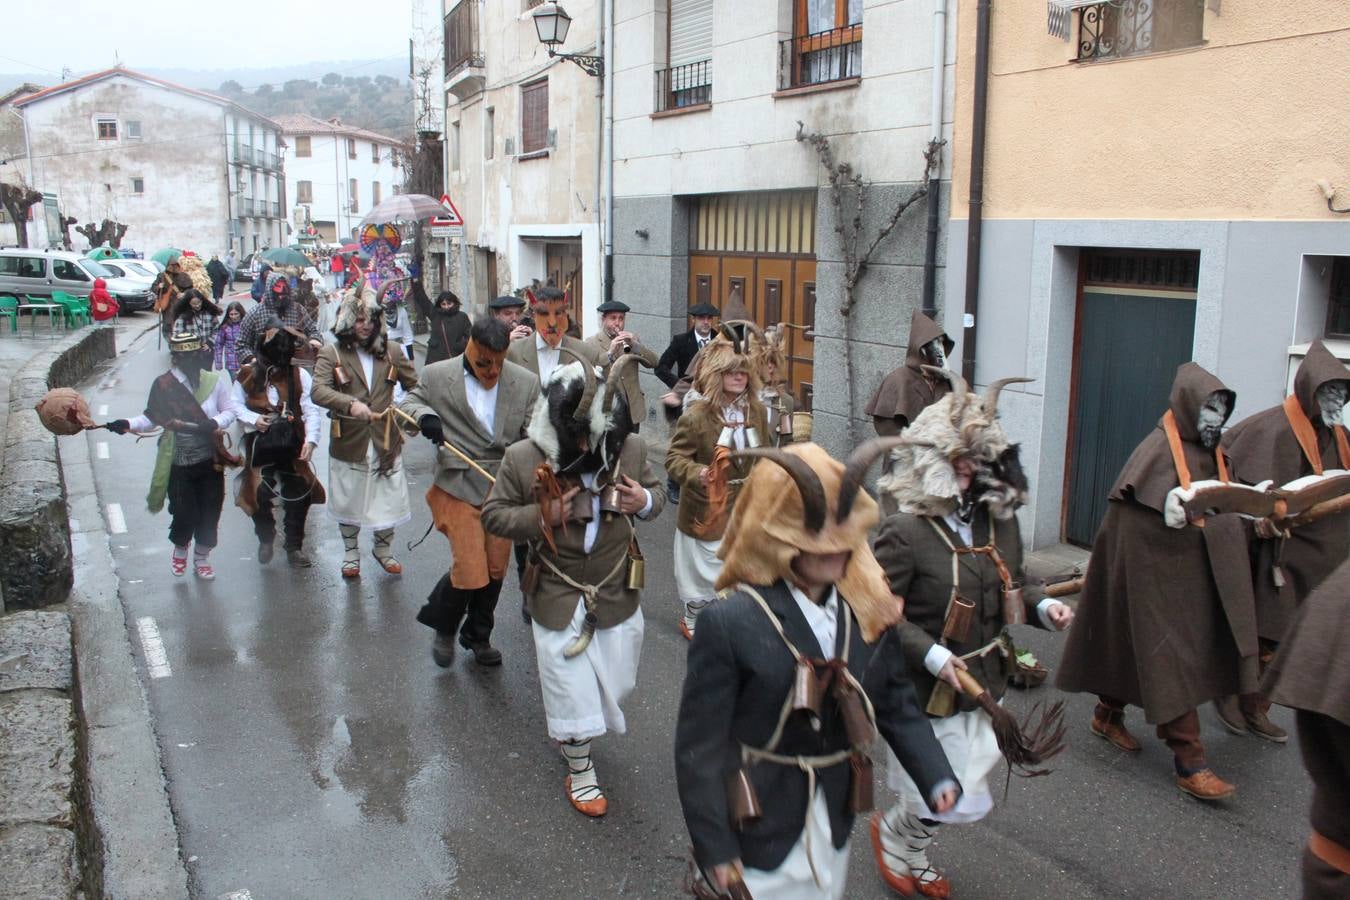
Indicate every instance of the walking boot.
{"type": "Point", "coordinates": [1109, 723]}
{"type": "Point", "coordinates": [264, 552]}
{"type": "Point", "coordinates": [1259, 724]}
{"type": "Point", "coordinates": [1203, 784]}
{"type": "Point", "coordinates": [1230, 714]}
{"type": "Point", "coordinates": [476, 632]}
{"type": "Point", "coordinates": [443, 649]}
{"type": "Point", "coordinates": [298, 559]}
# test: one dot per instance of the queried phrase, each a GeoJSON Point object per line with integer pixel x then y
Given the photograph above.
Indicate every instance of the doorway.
{"type": "Point", "coordinates": [563, 267]}
{"type": "Point", "coordinates": [1135, 325]}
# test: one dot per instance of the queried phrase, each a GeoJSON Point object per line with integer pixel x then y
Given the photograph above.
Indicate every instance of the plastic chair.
{"type": "Point", "coordinates": [9, 309]}
{"type": "Point", "coordinates": [43, 305]}
{"type": "Point", "coordinates": [75, 308]}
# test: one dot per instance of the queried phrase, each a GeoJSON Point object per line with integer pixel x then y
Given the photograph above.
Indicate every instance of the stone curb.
{"type": "Point", "coordinates": [38, 569]}
{"type": "Point", "coordinates": [127, 835]}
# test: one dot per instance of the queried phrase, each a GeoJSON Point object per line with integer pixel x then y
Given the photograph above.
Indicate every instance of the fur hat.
{"type": "Point", "coordinates": [809, 502]}
{"type": "Point", "coordinates": [723, 355]}
{"type": "Point", "coordinates": [960, 424]}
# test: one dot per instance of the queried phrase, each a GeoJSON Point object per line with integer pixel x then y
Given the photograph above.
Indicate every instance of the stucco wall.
{"type": "Point", "coordinates": [181, 156]}
{"type": "Point", "coordinates": [1241, 127]}
{"type": "Point", "coordinates": [328, 170]}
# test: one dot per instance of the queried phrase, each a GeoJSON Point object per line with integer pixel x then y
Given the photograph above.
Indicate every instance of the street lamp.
{"type": "Point", "coordinates": [551, 23]}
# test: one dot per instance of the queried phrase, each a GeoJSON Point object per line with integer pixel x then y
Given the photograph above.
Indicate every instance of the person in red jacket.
{"type": "Point", "coordinates": [102, 306]}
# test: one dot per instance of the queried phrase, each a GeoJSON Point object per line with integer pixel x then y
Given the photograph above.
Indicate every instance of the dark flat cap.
{"type": "Point", "coordinates": [612, 306]}
{"type": "Point", "coordinates": [506, 303]}
{"type": "Point", "coordinates": [703, 309]}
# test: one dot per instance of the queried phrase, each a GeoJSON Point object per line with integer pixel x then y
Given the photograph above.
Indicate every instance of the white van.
{"type": "Point", "coordinates": [36, 273]}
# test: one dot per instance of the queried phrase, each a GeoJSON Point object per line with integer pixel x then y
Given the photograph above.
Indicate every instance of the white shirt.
{"type": "Point", "coordinates": [593, 526]}
{"type": "Point", "coordinates": [367, 367]}
{"type": "Point", "coordinates": [219, 405]}
{"type": "Point", "coordinates": [483, 401]}
{"type": "Point", "coordinates": [312, 415]}
{"type": "Point", "coordinates": [822, 617]}
{"type": "Point", "coordinates": [548, 357]}
{"type": "Point", "coordinates": [701, 339]}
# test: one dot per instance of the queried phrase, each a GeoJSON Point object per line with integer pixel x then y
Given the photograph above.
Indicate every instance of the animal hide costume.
{"type": "Point", "coordinates": [785, 692]}
{"type": "Point", "coordinates": [585, 575]}
{"type": "Point", "coordinates": [1164, 621]}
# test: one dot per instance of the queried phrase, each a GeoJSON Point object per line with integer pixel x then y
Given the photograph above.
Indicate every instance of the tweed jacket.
{"type": "Point", "coordinates": [440, 392]}
{"type": "Point", "coordinates": [512, 512]}
{"type": "Point", "coordinates": [632, 378]}
{"type": "Point", "coordinates": [350, 438]}
{"type": "Point", "coordinates": [738, 676]}
{"type": "Point", "coordinates": [526, 354]}
{"type": "Point", "coordinates": [919, 568]}
{"type": "Point", "coordinates": [691, 448]}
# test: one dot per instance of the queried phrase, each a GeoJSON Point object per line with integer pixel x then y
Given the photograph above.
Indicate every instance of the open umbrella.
{"type": "Point", "coordinates": [285, 256]}
{"type": "Point", "coordinates": [104, 252]}
{"type": "Point", "coordinates": [404, 208]}
{"type": "Point", "coordinates": [166, 255]}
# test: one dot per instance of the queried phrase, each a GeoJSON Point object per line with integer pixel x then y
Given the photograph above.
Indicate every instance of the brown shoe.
{"type": "Point", "coordinates": [1205, 785]}
{"type": "Point", "coordinates": [1110, 724]}
{"type": "Point", "coordinates": [1260, 725]}
{"type": "Point", "coordinates": [1230, 714]}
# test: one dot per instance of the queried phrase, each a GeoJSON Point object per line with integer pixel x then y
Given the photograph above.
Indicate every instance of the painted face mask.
{"type": "Point", "coordinates": [550, 320]}
{"type": "Point", "coordinates": [1331, 400]}
{"type": "Point", "coordinates": [483, 364]}
{"type": "Point", "coordinates": [934, 354]}
{"type": "Point", "coordinates": [1212, 416]}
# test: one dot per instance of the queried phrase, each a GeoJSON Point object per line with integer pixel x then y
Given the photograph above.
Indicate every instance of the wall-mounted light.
{"type": "Point", "coordinates": [551, 23]}
{"type": "Point", "coordinates": [642, 233]}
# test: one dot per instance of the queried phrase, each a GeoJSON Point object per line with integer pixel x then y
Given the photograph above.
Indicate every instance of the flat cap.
{"type": "Point", "coordinates": [610, 306]}
{"type": "Point", "coordinates": [506, 303]}
{"type": "Point", "coordinates": [703, 309]}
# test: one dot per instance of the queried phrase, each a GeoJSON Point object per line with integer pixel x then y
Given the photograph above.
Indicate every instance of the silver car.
{"type": "Point", "coordinates": [36, 273]}
{"type": "Point", "coordinates": [130, 269]}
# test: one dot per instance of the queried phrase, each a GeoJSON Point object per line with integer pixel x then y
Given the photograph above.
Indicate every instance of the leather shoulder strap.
{"type": "Point", "coordinates": [1304, 433]}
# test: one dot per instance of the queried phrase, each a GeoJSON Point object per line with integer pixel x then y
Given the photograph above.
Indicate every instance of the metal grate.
{"type": "Point", "coordinates": [681, 86]}
{"type": "Point", "coordinates": [1163, 269]}
{"type": "Point", "coordinates": [1122, 28]}
{"type": "Point", "coordinates": [820, 58]}
{"type": "Point", "coordinates": [777, 223]}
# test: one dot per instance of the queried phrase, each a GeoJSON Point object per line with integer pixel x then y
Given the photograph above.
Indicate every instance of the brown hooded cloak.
{"type": "Point", "coordinates": [904, 393]}
{"type": "Point", "coordinates": [1153, 628]}
{"type": "Point", "coordinates": [1311, 674]}
{"type": "Point", "coordinates": [1264, 447]}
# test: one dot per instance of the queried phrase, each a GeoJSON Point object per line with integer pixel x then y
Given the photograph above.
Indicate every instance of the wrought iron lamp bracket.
{"type": "Point", "coordinates": [592, 65]}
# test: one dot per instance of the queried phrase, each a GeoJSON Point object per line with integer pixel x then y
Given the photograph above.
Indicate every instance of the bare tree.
{"type": "Point", "coordinates": [109, 232]}
{"type": "Point", "coordinates": [845, 184]}
{"type": "Point", "coordinates": [18, 199]}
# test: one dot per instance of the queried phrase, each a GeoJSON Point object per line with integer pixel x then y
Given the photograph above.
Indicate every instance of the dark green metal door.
{"type": "Point", "coordinates": [1130, 344]}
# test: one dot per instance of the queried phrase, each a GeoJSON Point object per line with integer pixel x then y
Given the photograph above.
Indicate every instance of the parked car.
{"type": "Point", "coordinates": [39, 272]}
{"type": "Point", "coordinates": [130, 269]}
{"type": "Point", "coordinates": [243, 269]}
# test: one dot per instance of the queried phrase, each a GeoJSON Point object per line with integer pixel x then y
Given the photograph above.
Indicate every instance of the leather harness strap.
{"type": "Point", "coordinates": [1304, 433]}
{"type": "Point", "coordinates": [1330, 852]}
{"type": "Point", "coordinates": [1169, 423]}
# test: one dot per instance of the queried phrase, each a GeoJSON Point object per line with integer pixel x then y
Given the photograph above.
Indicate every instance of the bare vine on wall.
{"type": "Point", "coordinates": [857, 249]}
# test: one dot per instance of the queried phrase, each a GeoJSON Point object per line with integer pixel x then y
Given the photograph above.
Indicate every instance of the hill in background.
{"type": "Point", "coordinates": [382, 103]}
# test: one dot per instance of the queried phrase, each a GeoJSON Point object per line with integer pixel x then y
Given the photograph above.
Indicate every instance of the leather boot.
{"type": "Point", "coordinates": [1109, 723]}
{"type": "Point", "coordinates": [1259, 724]}
{"type": "Point", "coordinates": [475, 635]}
{"type": "Point", "coordinates": [1203, 784]}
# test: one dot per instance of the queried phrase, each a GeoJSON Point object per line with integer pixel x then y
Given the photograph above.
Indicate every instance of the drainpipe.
{"type": "Point", "coordinates": [609, 165]}
{"type": "Point", "coordinates": [935, 169]}
{"type": "Point", "coordinates": [977, 132]}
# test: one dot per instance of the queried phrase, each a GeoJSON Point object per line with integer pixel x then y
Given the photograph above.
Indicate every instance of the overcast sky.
{"type": "Point", "coordinates": [85, 35]}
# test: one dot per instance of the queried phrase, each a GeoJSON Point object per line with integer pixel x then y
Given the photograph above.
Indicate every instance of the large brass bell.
{"type": "Point", "coordinates": [742, 801]}
{"type": "Point", "coordinates": [1014, 610]}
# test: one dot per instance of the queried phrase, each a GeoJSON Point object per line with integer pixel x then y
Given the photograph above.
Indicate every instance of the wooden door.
{"type": "Point", "coordinates": [738, 272]}
{"type": "Point", "coordinates": [705, 275]}
{"type": "Point", "coordinates": [1130, 342]}
{"type": "Point", "coordinates": [563, 264]}
{"type": "Point", "coordinates": [801, 346]}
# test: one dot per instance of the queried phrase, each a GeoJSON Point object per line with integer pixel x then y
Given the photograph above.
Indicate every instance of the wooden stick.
{"type": "Point", "coordinates": [1064, 588]}
{"type": "Point", "coordinates": [1319, 511]}
{"type": "Point", "coordinates": [448, 446]}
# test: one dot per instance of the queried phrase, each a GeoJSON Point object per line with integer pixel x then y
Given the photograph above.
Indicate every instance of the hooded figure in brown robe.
{"type": "Point", "coordinates": [1311, 674]}
{"type": "Point", "coordinates": [1152, 628]}
{"type": "Point", "coordinates": [904, 393]}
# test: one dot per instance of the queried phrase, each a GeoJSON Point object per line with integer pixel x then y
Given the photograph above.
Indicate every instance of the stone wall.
{"type": "Point", "coordinates": [36, 568]}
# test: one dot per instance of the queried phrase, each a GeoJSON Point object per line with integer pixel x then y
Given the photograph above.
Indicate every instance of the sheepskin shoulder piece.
{"type": "Point", "coordinates": [541, 429]}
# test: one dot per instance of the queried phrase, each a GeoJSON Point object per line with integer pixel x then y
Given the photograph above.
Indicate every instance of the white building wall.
{"type": "Point", "coordinates": [329, 170]}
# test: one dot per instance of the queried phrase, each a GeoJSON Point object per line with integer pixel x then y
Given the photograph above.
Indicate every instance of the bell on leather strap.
{"type": "Point", "coordinates": [391, 375]}
{"type": "Point", "coordinates": [529, 579]}
{"type": "Point", "coordinates": [1014, 611]}
{"type": "Point", "coordinates": [942, 702]}
{"type": "Point", "coordinates": [752, 437]}
{"type": "Point", "coordinates": [581, 507]}
{"type": "Point", "coordinates": [637, 569]}
{"type": "Point", "coordinates": [960, 616]}
{"type": "Point", "coordinates": [742, 801]}
{"type": "Point", "coordinates": [806, 692]}
{"type": "Point", "coordinates": [860, 784]}
{"type": "Point", "coordinates": [785, 423]}
{"type": "Point", "coordinates": [341, 377]}
{"type": "Point", "coordinates": [609, 501]}
{"type": "Point", "coordinates": [857, 726]}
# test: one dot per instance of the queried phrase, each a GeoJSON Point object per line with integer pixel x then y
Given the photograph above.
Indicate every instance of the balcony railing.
{"type": "Point", "coordinates": [834, 55]}
{"type": "Point", "coordinates": [245, 207]}
{"type": "Point", "coordinates": [1136, 27]}
{"type": "Point", "coordinates": [276, 209]}
{"type": "Point", "coordinates": [461, 38]}
{"type": "Point", "coordinates": [686, 85]}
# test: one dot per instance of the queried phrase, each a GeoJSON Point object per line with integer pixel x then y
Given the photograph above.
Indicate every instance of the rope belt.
{"type": "Point", "coordinates": [589, 592]}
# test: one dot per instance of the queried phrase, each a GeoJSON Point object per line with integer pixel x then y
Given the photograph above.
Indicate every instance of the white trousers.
{"type": "Point", "coordinates": [968, 741]}
{"type": "Point", "coordinates": [358, 496]}
{"type": "Point", "coordinates": [696, 568]}
{"type": "Point", "coordinates": [582, 694]}
{"type": "Point", "coordinates": [793, 879]}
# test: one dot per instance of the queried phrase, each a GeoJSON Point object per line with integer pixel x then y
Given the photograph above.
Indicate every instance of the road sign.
{"type": "Point", "coordinates": [451, 218]}
{"type": "Point", "coordinates": [445, 231]}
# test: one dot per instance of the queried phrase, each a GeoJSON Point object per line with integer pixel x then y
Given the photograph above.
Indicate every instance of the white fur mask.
{"type": "Point", "coordinates": [1331, 399]}
{"type": "Point", "coordinates": [1212, 416]}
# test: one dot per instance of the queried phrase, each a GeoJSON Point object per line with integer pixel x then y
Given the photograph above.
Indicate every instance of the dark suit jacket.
{"type": "Point", "coordinates": [738, 676]}
{"type": "Point", "coordinates": [672, 365]}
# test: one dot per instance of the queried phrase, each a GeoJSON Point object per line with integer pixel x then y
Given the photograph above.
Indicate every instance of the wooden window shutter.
{"type": "Point", "coordinates": [534, 117]}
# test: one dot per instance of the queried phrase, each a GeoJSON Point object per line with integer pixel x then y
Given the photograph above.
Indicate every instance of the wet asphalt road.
{"type": "Point", "coordinates": [314, 750]}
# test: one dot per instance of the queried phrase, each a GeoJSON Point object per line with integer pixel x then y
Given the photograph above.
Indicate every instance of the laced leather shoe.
{"type": "Point", "coordinates": [1230, 714]}
{"type": "Point", "coordinates": [902, 884]}
{"type": "Point", "coordinates": [1259, 724]}
{"type": "Point", "coordinates": [1110, 724]}
{"type": "Point", "coordinates": [1205, 785]}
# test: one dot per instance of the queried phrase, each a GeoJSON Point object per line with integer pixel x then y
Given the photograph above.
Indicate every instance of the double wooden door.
{"type": "Point", "coordinates": [776, 290]}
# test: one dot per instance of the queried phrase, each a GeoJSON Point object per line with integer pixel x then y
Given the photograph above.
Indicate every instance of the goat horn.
{"type": "Point", "coordinates": [991, 393]}
{"type": "Point", "coordinates": [615, 373]}
{"type": "Point", "coordinates": [583, 410]}
{"type": "Point", "coordinates": [730, 334]}
{"type": "Point", "coordinates": [759, 332]}
{"type": "Point", "coordinates": [856, 469]}
{"type": "Point", "coordinates": [379, 295]}
{"type": "Point", "coordinates": [814, 505]}
{"type": "Point", "coordinates": [959, 389]}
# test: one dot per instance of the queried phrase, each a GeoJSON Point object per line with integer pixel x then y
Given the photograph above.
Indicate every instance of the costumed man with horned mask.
{"type": "Point", "coordinates": [954, 552]}
{"type": "Point", "coordinates": [1301, 440]}
{"type": "Point", "coordinates": [789, 680]}
{"type": "Point", "coordinates": [727, 417]}
{"type": "Point", "coordinates": [193, 405]}
{"type": "Point", "coordinates": [355, 380]}
{"type": "Point", "coordinates": [480, 404]}
{"type": "Point", "coordinates": [1161, 623]}
{"type": "Point", "coordinates": [282, 427]}
{"type": "Point", "coordinates": [572, 492]}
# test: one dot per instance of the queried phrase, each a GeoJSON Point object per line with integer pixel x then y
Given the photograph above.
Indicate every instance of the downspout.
{"type": "Point", "coordinates": [977, 134]}
{"type": "Point", "coordinates": [600, 144]}
{"type": "Point", "coordinates": [935, 164]}
{"type": "Point", "coordinates": [609, 164]}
